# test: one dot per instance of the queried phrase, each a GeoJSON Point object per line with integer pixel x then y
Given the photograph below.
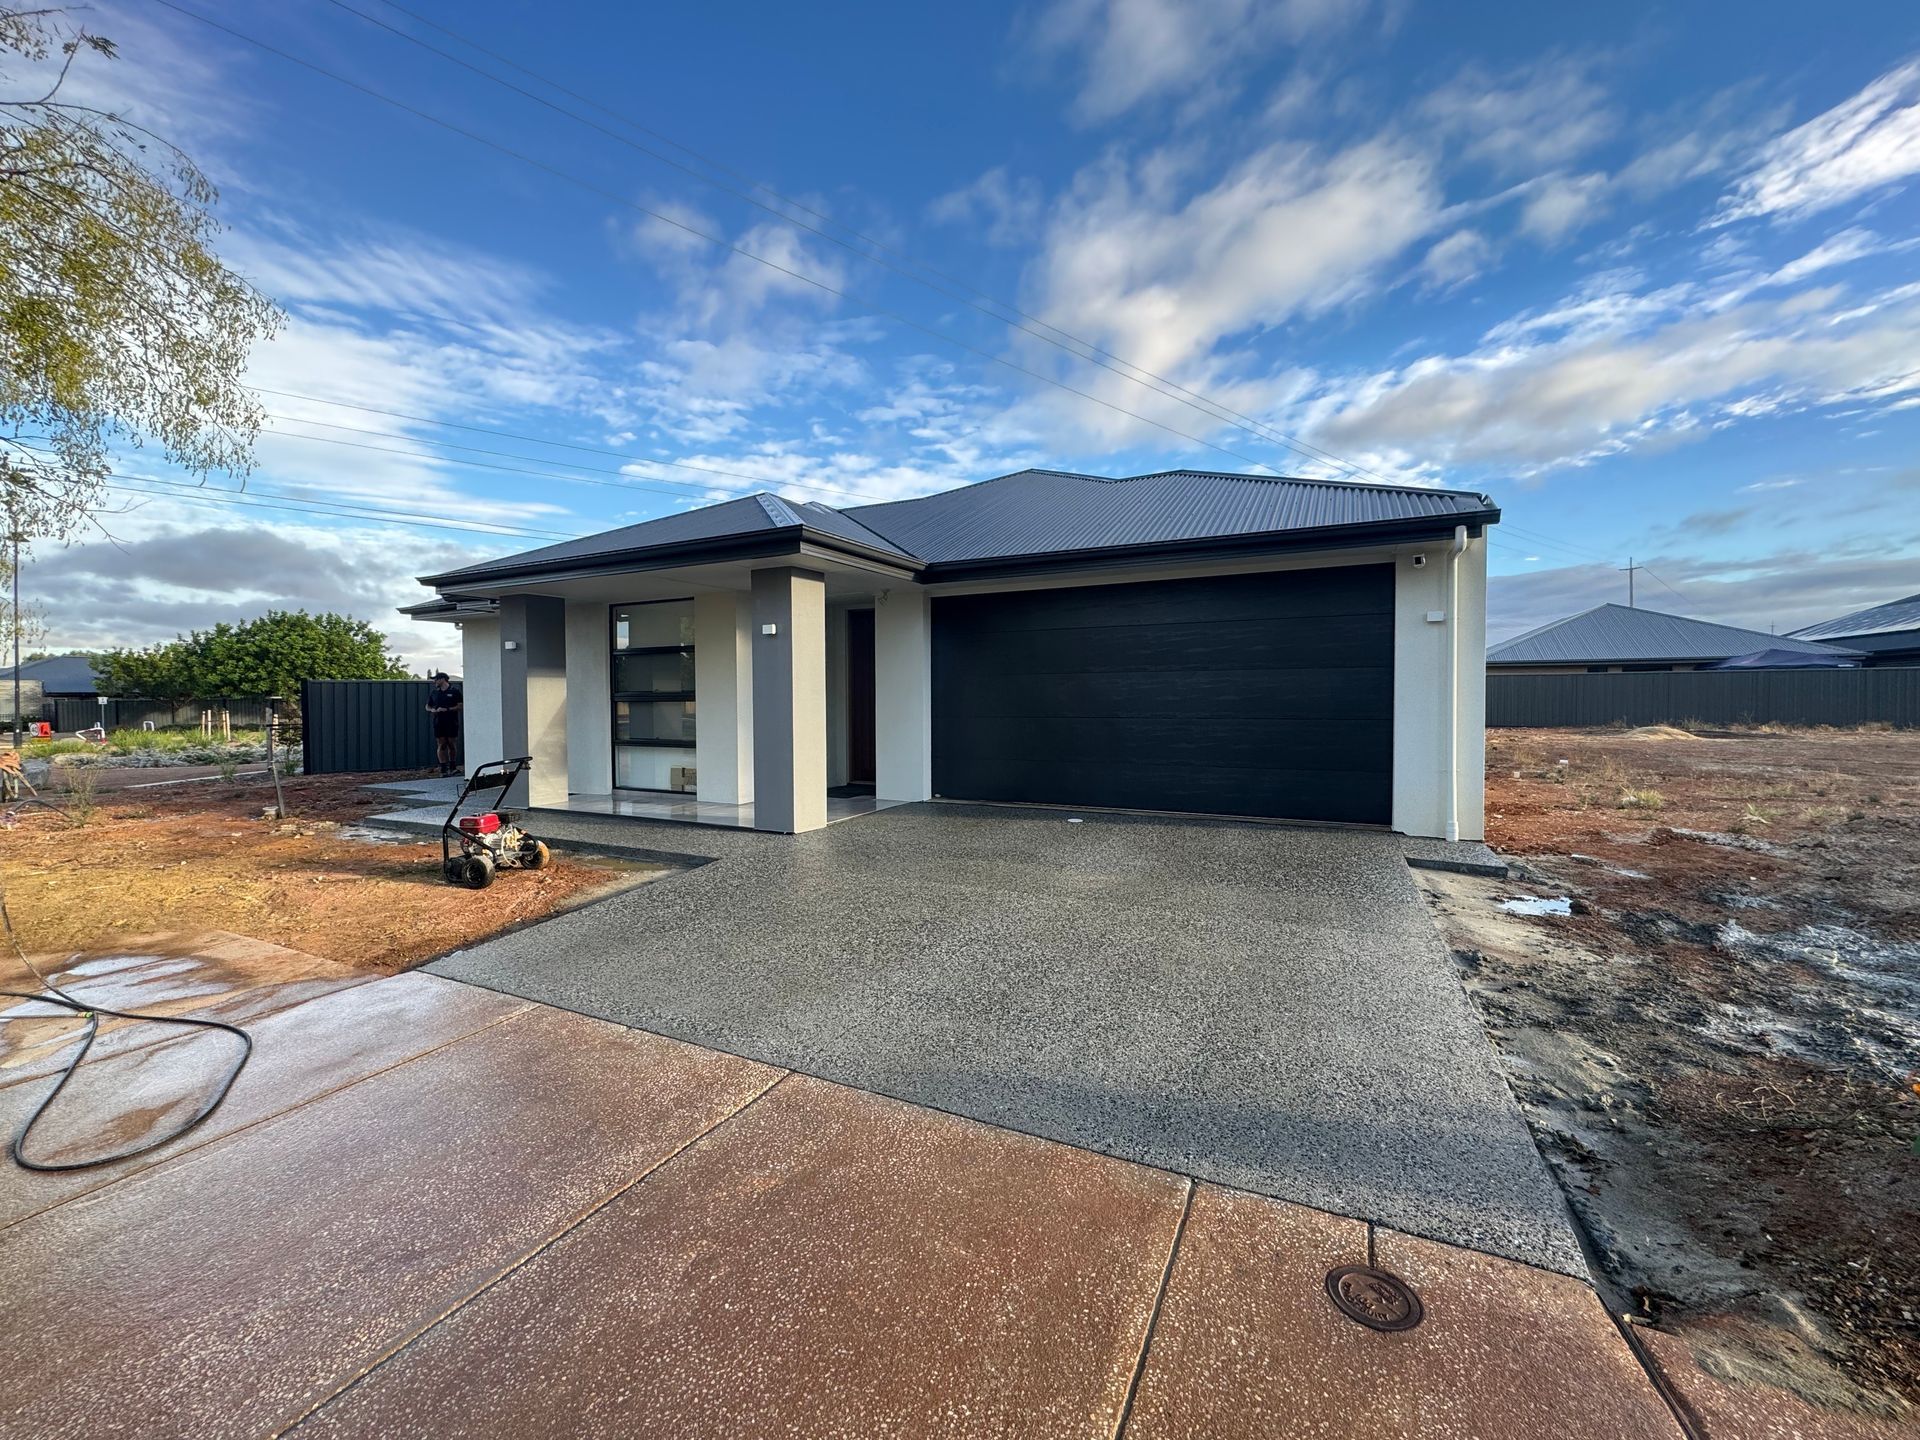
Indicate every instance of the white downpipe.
{"type": "Point", "coordinates": [1453, 681]}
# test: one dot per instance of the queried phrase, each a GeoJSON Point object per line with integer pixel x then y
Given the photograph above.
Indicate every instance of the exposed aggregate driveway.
{"type": "Point", "coordinates": [1266, 1007]}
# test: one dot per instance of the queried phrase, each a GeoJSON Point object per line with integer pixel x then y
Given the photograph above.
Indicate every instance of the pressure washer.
{"type": "Point", "coordinates": [489, 841]}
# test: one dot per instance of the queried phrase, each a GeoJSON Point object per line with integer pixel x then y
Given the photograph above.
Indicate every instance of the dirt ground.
{"type": "Point", "coordinates": [201, 856]}
{"type": "Point", "coordinates": [1717, 1044]}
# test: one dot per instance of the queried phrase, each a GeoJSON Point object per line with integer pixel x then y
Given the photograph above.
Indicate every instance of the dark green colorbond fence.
{"type": "Point", "coordinates": [1708, 697]}
{"type": "Point", "coordinates": [354, 725]}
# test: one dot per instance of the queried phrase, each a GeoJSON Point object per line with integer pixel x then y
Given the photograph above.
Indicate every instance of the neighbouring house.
{"type": "Point", "coordinates": [1887, 634]}
{"type": "Point", "coordinates": [1613, 638]}
{"type": "Point", "coordinates": [58, 677]}
{"type": "Point", "coordinates": [1184, 641]}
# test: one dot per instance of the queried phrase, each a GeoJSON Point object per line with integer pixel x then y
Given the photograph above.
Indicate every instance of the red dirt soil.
{"type": "Point", "coordinates": [1716, 1046]}
{"type": "Point", "coordinates": [200, 856]}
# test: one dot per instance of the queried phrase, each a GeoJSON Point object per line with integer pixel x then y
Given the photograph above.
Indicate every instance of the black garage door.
{"type": "Point", "coordinates": [1265, 695]}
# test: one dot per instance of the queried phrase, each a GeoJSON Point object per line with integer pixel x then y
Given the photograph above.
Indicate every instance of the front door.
{"type": "Point", "coordinates": [860, 769]}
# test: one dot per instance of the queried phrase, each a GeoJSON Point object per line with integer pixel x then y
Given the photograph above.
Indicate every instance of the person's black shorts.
{"type": "Point", "coordinates": [446, 725]}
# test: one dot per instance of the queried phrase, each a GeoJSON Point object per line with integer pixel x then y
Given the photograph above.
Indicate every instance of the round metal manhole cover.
{"type": "Point", "coordinates": [1374, 1298]}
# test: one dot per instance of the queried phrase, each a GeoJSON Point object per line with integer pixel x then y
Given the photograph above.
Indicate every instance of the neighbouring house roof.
{"type": "Point", "coordinates": [1033, 516]}
{"type": "Point", "coordinates": [1617, 634]}
{"type": "Point", "coordinates": [1877, 620]}
{"type": "Point", "coordinates": [1778, 657]}
{"type": "Point", "coordinates": [58, 674]}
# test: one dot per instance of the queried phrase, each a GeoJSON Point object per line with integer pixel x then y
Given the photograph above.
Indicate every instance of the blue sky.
{"type": "Point", "coordinates": [1649, 275]}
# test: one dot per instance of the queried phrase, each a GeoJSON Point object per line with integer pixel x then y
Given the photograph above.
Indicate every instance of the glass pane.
{"type": "Point", "coordinates": [658, 720]}
{"type": "Point", "coordinates": [672, 674]}
{"type": "Point", "coordinates": [664, 622]}
{"type": "Point", "coordinates": [638, 769]}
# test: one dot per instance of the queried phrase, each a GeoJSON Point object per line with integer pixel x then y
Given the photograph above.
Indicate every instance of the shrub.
{"type": "Point", "coordinates": [1640, 800]}
{"type": "Point", "coordinates": [82, 801]}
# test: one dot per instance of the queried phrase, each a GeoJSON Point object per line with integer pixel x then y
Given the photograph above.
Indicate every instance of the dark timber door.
{"type": "Point", "coordinates": [1268, 695]}
{"type": "Point", "coordinates": [860, 697]}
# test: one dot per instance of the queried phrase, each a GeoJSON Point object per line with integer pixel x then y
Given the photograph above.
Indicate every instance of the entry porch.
{"type": "Point", "coordinates": [782, 696]}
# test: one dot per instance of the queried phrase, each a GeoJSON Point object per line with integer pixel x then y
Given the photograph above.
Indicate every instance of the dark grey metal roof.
{"type": "Point", "coordinates": [1878, 620]}
{"type": "Point", "coordinates": [1616, 634]}
{"type": "Point", "coordinates": [750, 516]}
{"type": "Point", "coordinates": [1032, 513]}
{"type": "Point", "coordinates": [1047, 512]}
{"type": "Point", "coordinates": [58, 674]}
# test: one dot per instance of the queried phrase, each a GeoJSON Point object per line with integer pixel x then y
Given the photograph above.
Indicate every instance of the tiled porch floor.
{"type": "Point", "coordinates": [638, 805]}
{"type": "Point", "coordinates": [630, 804]}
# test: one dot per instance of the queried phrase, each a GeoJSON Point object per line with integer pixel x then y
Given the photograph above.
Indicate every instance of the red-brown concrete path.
{"type": "Point", "coordinates": [430, 1210]}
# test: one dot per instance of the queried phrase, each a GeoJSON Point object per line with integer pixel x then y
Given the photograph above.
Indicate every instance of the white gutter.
{"type": "Point", "coordinates": [1453, 681]}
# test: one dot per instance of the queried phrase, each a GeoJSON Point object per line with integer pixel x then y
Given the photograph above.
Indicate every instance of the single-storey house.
{"type": "Point", "coordinates": [55, 677]}
{"type": "Point", "coordinates": [1886, 634]}
{"type": "Point", "coordinates": [1614, 638]}
{"type": "Point", "coordinates": [1192, 642]}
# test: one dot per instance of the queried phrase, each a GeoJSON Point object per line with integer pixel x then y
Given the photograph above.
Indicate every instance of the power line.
{"type": "Point", "coordinates": [1668, 588]}
{"type": "Point", "coordinates": [473, 464]}
{"type": "Point", "coordinates": [1089, 351]}
{"type": "Point", "coordinates": [187, 490]}
{"type": "Point", "coordinates": [1569, 547]}
{"type": "Point", "coordinates": [766, 480]}
{"type": "Point", "coordinates": [617, 199]}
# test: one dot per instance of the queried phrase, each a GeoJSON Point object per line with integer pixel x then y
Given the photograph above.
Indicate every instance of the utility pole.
{"type": "Point", "coordinates": [1630, 567]}
{"type": "Point", "coordinates": [13, 616]}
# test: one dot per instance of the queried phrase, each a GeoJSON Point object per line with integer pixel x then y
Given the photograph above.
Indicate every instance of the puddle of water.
{"type": "Point", "coordinates": [373, 835]}
{"type": "Point", "coordinates": [1537, 905]}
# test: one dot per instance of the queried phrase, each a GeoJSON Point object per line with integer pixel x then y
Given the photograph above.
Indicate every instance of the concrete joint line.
{"type": "Point", "coordinates": [1153, 1316]}
{"type": "Point", "coordinates": [534, 1253]}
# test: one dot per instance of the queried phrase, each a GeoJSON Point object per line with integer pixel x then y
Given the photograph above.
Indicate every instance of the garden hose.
{"type": "Point", "coordinates": [54, 995]}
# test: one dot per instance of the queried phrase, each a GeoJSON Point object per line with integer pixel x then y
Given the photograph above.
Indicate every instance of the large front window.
{"type": "Point", "coordinates": [652, 675]}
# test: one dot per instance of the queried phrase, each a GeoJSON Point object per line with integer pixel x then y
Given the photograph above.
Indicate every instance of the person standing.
{"type": "Point", "coordinates": [443, 705]}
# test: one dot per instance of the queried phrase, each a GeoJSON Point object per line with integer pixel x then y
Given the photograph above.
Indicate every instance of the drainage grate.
{"type": "Point", "coordinates": [1374, 1298]}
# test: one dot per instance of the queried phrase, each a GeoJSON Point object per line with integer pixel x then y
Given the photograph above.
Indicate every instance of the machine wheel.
{"type": "Point", "coordinates": [453, 869]}
{"type": "Point", "coordinates": [476, 872]}
{"type": "Point", "coordinates": [535, 855]}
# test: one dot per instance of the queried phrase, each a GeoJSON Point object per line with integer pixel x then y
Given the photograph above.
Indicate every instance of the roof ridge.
{"type": "Point", "coordinates": [1549, 625]}
{"type": "Point", "coordinates": [861, 524]}
{"type": "Point", "coordinates": [777, 509]}
{"type": "Point", "coordinates": [1310, 480]}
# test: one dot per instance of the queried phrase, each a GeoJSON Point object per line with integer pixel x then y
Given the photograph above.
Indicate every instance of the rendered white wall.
{"type": "Point", "coordinates": [1421, 694]}
{"type": "Point", "coordinates": [789, 699]}
{"type": "Point", "coordinates": [589, 701]}
{"type": "Point", "coordinates": [480, 690]}
{"type": "Point", "coordinates": [723, 697]}
{"type": "Point", "coordinates": [903, 694]}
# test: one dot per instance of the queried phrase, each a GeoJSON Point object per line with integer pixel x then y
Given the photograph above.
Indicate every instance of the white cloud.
{"type": "Point", "coordinates": [1537, 120]}
{"type": "Point", "coordinates": [185, 570]}
{"type": "Point", "coordinates": [1136, 51]}
{"type": "Point", "coordinates": [1009, 204]}
{"type": "Point", "coordinates": [1153, 271]}
{"type": "Point", "coordinates": [1570, 386]}
{"type": "Point", "coordinates": [1454, 261]}
{"type": "Point", "coordinates": [1839, 249]}
{"type": "Point", "coordinates": [1558, 205]}
{"type": "Point", "coordinates": [1862, 144]}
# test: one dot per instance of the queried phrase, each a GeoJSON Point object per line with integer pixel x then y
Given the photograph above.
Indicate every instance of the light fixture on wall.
{"type": "Point", "coordinates": [769, 629]}
{"type": "Point", "coordinates": [512, 645]}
